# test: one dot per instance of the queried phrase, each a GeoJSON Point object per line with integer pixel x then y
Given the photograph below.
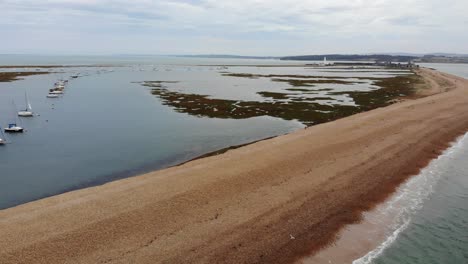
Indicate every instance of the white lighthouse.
{"type": "Point", "coordinates": [325, 63]}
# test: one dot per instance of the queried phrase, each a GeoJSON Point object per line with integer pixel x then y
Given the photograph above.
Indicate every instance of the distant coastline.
{"type": "Point", "coordinates": [416, 58]}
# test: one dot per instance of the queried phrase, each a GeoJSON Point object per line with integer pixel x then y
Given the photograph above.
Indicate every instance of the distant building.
{"type": "Point", "coordinates": [325, 63]}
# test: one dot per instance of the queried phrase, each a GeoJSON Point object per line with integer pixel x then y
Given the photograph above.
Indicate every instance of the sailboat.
{"type": "Point", "coordinates": [51, 95]}
{"type": "Point", "coordinates": [60, 85]}
{"type": "Point", "coordinates": [28, 111]}
{"type": "Point", "coordinates": [12, 126]}
{"type": "Point", "coordinates": [53, 91]}
{"type": "Point", "coordinates": [2, 138]}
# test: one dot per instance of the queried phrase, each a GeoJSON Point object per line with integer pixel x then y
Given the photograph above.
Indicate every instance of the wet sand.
{"type": "Point", "coordinates": [269, 202]}
{"type": "Point", "coordinates": [355, 240]}
{"type": "Point", "coordinates": [379, 227]}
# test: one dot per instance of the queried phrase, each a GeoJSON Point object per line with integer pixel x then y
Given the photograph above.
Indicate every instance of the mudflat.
{"type": "Point", "coordinates": [268, 202]}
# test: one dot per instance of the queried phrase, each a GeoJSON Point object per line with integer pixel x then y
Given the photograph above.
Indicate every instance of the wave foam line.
{"type": "Point", "coordinates": [416, 191]}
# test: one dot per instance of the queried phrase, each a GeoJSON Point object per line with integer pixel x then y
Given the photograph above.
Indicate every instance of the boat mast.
{"type": "Point", "coordinates": [28, 104]}
{"type": "Point", "coordinates": [3, 136]}
{"type": "Point", "coordinates": [15, 115]}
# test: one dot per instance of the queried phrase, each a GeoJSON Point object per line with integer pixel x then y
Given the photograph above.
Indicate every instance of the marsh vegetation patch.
{"type": "Point", "coordinates": [291, 105]}
{"type": "Point", "coordinates": [13, 76]}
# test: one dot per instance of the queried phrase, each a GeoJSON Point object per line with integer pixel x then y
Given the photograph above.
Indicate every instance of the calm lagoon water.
{"type": "Point", "coordinates": [108, 126]}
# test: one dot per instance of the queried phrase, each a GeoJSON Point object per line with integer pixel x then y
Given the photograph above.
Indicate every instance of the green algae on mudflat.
{"type": "Point", "coordinates": [299, 76]}
{"type": "Point", "coordinates": [298, 90]}
{"type": "Point", "coordinates": [293, 96]}
{"type": "Point", "coordinates": [304, 111]}
{"type": "Point", "coordinates": [243, 75]}
{"type": "Point", "coordinates": [274, 95]}
{"type": "Point", "coordinates": [304, 80]}
{"type": "Point", "coordinates": [368, 71]}
{"type": "Point", "coordinates": [310, 83]}
{"type": "Point", "coordinates": [289, 106]}
{"type": "Point", "coordinates": [390, 89]}
{"type": "Point", "coordinates": [14, 76]}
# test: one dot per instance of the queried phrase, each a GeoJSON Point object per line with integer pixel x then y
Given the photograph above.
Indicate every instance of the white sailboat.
{"type": "Point", "coordinates": [56, 92]}
{"type": "Point", "coordinates": [60, 85]}
{"type": "Point", "coordinates": [59, 88]}
{"type": "Point", "coordinates": [12, 126]}
{"type": "Point", "coordinates": [2, 138]}
{"type": "Point", "coordinates": [51, 95]}
{"type": "Point", "coordinates": [28, 111]}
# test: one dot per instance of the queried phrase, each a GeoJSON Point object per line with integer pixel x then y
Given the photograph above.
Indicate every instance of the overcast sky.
{"type": "Point", "coordinates": [247, 27]}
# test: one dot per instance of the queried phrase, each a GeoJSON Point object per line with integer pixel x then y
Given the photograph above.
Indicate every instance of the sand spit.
{"type": "Point", "coordinates": [53, 66]}
{"type": "Point", "coordinates": [268, 202]}
{"type": "Point", "coordinates": [14, 76]}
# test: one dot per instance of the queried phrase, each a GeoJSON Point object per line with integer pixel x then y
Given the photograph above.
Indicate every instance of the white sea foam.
{"type": "Point", "coordinates": [376, 252]}
{"type": "Point", "coordinates": [410, 198]}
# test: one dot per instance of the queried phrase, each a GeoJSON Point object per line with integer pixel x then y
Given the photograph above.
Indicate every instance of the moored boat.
{"type": "Point", "coordinates": [13, 121]}
{"type": "Point", "coordinates": [28, 111]}
{"type": "Point", "coordinates": [13, 128]}
{"type": "Point", "coordinates": [56, 92]}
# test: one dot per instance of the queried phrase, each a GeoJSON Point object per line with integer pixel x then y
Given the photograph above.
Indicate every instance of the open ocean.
{"type": "Point", "coordinates": [433, 225]}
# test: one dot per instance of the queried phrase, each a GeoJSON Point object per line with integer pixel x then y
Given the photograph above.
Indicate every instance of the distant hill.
{"type": "Point", "coordinates": [353, 57]}
{"type": "Point", "coordinates": [447, 54]}
{"type": "Point", "coordinates": [225, 56]}
{"type": "Point", "coordinates": [393, 57]}
{"type": "Point", "coordinates": [443, 59]}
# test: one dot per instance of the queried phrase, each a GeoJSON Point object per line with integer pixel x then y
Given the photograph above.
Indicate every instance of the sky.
{"type": "Point", "coordinates": [243, 27]}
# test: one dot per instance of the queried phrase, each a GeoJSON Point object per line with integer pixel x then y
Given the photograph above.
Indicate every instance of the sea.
{"type": "Point", "coordinates": [431, 224]}
{"type": "Point", "coordinates": [108, 126]}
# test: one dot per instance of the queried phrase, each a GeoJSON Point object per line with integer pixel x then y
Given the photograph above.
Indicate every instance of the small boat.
{"type": "Point", "coordinates": [56, 92]}
{"type": "Point", "coordinates": [50, 95]}
{"type": "Point", "coordinates": [28, 111]}
{"type": "Point", "coordinates": [13, 128]}
{"type": "Point", "coordinates": [12, 125]}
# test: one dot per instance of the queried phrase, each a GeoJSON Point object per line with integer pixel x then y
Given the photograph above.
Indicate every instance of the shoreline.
{"type": "Point", "coordinates": [380, 227]}
{"type": "Point", "coordinates": [272, 190]}
{"type": "Point", "coordinates": [141, 170]}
